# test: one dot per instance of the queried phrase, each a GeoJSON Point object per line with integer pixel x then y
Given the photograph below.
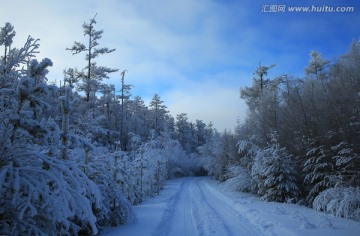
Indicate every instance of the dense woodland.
{"type": "Point", "coordinates": [300, 142]}
{"type": "Point", "coordinates": [76, 157]}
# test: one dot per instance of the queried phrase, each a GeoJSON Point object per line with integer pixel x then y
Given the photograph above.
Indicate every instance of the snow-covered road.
{"type": "Point", "coordinates": [198, 206]}
{"type": "Point", "coordinates": [198, 209]}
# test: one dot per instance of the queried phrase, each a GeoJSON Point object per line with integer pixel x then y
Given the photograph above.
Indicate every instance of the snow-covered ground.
{"type": "Point", "coordinates": [200, 206]}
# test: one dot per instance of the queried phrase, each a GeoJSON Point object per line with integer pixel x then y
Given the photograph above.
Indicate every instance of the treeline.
{"type": "Point", "coordinates": [74, 158]}
{"type": "Point", "coordinates": [300, 141]}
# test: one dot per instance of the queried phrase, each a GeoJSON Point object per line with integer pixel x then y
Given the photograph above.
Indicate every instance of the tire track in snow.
{"type": "Point", "coordinates": [208, 222]}
{"type": "Point", "coordinates": [177, 219]}
{"type": "Point", "coordinates": [234, 222]}
{"type": "Point", "coordinates": [198, 209]}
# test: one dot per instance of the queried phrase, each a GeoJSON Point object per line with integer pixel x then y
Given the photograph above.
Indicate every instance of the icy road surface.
{"type": "Point", "coordinates": [199, 206]}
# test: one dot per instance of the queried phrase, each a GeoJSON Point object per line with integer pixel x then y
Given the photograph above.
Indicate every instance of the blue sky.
{"type": "Point", "coordinates": [196, 54]}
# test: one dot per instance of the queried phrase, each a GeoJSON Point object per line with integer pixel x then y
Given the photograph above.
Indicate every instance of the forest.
{"type": "Point", "coordinates": [300, 140]}
{"type": "Point", "coordinates": [75, 157]}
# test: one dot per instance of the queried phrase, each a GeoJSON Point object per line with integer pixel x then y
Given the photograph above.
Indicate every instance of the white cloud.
{"type": "Point", "coordinates": [209, 101]}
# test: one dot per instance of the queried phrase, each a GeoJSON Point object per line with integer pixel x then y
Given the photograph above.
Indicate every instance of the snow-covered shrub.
{"type": "Point", "coordinates": [247, 150]}
{"type": "Point", "coordinates": [251, 162]}
{"type": "Point", "coordinates": [340, 201]}
{"type": "Point", "coordinates": [257, 170]}
{"type": "Point", "coordinates": [178, 162]}
{"type": "Point", "coordinates": [214, 157]}
{"type": "Point", "coordinates": [347, 163]}
{"type": "Point", "coordinates": [330, 167]}
{"type": "Point", "coordinates": [42, 195]}
{"type": "Point", "coordinates": [144, 174]}
{"type": "Point", "coordinates": [102, 170]}
{"type": "Point", "coordinates": [150, 163]}
{"type": "Point", "coordinates": [239, 179]}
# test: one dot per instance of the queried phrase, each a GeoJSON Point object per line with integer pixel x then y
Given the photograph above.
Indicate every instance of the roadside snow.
{"type": "Point", "coordinates": [200, 206]}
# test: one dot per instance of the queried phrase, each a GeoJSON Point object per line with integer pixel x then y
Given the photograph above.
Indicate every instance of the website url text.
{"type": "Point", "coordinates": [321, 9]}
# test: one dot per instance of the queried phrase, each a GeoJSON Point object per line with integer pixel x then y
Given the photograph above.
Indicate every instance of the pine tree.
{"type": "Point", "coordinates": [92, 73]}
{"type": "Point", "coordinates": [317, 66]}
{"type": "Point", "coordinates": [318, 168]}
{"type": "Point", "coordinates": [347, 165]}
{"type": "Point", "coordinates": [158, 112]}
{"type": "Point", "coordinates": [7, 34]}
{"type": "Point", "coordinates": [139, 117]}
{"type": "Point", "coordinates": [124, 97]}
{"type": "Point", "coordinates": [278, 179]}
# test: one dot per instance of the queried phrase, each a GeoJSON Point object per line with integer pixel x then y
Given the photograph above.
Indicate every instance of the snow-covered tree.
{"type": "Point", "coordinates": [347, 164]}
{"type": "Point", "coordinates": [34, 179]}
{"type": "Point", "coordinates": [65, 106]}
{"type": "Point", "coordinates": [317, 118]}
{"type": "Point", "coordinates": [62, 170]}
{"type": "Point", "coordinates": [124, 114]}
{"type": "Point", "coordinates": [70, 77]}
{"type": "Point", "coordinates": [186, 133]}
{"type": "Point", "coordinates": [107, 110]}
{"type": "Point", "coordinates": [7, 34]}
{"type": "Point", "coordinates": [278, 176]}
{"type": "Point", "coordinates": [158, 112]}
{"type": "Point", "coordinates": [92, 73]}
{"type": "Point", "coordinates": [211, 154]}
{"type": "Point", "coordinates": [317, 67]}
{"type": "Point", "coordinates": [201, 133]}
{"type": "Point", "coordinates": [319, 169]}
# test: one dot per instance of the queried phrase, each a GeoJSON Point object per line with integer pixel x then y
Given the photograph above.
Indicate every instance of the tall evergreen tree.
{"type": "Point", "coordinates": [7, 34]}
{"type": "Point", "coordinates": [92, 74]}
{"type": "Point", "coordinates": [158, 112]}
{"type": "Point", "coordinates": [124, 98]}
